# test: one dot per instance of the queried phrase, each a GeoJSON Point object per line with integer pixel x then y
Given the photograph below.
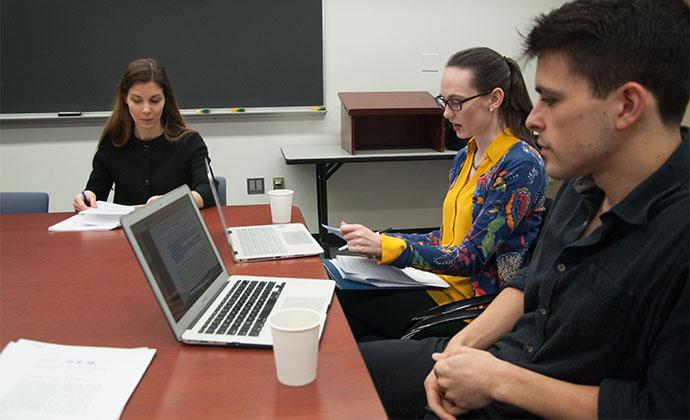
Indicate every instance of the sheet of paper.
{"type": "Point", "coordinates": [362, 279]}
{"type": "Point", "coordinates": [369, 271]}
{"type": "Point", "coordinates": [334, 231]}
{"type": "Point", "coordinates": [78, 223]}
{"type": "Point", "coordinates": [104, 217]}
{"type": "Point", "coordinates": [52, 381]}
{"type": "Point", "coordinates": [107, 208]}
{"type": "Point", "coordinates": [425, 277]}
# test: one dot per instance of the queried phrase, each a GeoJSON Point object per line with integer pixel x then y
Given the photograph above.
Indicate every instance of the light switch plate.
{"type": "Point", "coordinates": [429, 62]}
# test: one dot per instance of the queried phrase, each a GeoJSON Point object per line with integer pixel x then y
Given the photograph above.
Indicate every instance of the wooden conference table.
{"type": "Point", "coordinates": [86, 288]}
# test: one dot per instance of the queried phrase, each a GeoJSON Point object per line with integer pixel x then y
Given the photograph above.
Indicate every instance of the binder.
{"type": "Point", "coordinates": [344, 283]}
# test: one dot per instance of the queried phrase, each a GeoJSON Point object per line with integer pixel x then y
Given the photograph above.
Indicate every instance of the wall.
{"type": "Point", "coordinates": [369, 46]}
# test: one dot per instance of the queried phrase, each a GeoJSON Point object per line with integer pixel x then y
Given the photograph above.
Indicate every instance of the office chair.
{"type": "Point", "coordinates": [221, 188]}
{"type": "Point", "coordinates": [23, 202]}
{"type": "Point", "coordinates": [459, 311]}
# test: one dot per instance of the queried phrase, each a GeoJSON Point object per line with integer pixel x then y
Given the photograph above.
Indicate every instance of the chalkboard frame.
{"type": "Point", "coordinates": [51, 55]}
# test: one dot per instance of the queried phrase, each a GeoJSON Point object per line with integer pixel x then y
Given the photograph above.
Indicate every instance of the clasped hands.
{"type": "Point", "coordinates": [462, 379]}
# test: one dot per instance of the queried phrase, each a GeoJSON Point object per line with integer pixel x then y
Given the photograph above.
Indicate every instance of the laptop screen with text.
{"type": "Point", "coordinates": [178, 253]}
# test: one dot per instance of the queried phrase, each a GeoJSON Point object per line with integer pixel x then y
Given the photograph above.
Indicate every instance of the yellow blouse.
{"type": "Point", "coordinates": [457, 215]}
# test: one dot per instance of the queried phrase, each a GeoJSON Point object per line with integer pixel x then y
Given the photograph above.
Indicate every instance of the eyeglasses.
{"type": "Point", "coordinates": [456, 104]}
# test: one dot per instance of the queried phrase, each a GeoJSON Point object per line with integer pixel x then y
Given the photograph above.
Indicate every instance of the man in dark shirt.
{"type": "Point", "coordinates": [597, 324]}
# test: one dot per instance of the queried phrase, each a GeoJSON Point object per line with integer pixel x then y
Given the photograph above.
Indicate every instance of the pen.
{"type": "Point", "coordinates": [236, 109]}
{"type": "Point", "coordinates": [318, 108]}
{"type": "Point", "coordinates": [86, 200]}
{"type": "Point", "coordinates": [203, 111]}
{"type": "Point", "coordinates": [388, 229]}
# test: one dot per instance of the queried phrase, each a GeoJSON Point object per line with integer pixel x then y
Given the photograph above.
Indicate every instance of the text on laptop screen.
{"type": "Point", "coordinates": [178, 253]}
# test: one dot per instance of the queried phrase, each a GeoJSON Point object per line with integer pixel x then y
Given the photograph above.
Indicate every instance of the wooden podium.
{"type": "Point", "coordinates": [390, 120]}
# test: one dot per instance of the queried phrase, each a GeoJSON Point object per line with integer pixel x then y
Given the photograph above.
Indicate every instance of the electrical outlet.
{"type": "Point", "coordinates": [255, 185]}
{"type": "Point", "coordinates": [278, 183]}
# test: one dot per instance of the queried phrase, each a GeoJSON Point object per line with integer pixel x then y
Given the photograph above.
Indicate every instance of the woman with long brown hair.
{"type": "Point", "coordinates": [146, 149]}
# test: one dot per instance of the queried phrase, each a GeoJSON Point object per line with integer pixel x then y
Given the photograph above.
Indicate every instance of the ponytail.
{"type": "Point", "coordinates": [491, 70]}
{"type": "Point", "coordinates": [517, 104]}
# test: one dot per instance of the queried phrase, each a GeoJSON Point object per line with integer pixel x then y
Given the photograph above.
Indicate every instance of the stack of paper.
{"type": "Point", "coordinates": [104, 217]}
{"type": "Point", "coordinates": [367, 270]}
{"type": "Point", "coordinates": [41, 380]}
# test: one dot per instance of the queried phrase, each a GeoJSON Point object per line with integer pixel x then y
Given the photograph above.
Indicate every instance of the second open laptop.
{"type": "Point", "coordinates": [265, 242]}
{"type": "Point", "coordinates": [201, 302]}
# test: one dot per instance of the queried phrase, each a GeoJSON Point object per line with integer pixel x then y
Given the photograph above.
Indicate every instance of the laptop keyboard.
{"type": "Point", "coordinates": [261, 241]}
{"type": "Point", "coordinates": [245, 308]}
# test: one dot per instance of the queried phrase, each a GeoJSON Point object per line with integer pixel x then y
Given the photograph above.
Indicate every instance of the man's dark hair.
{"type": "Point", "coordinates": [611, 42]}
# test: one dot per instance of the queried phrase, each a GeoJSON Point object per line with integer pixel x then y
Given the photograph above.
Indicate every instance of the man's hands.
{"type": "Point", "coordinates": [443, 408]}
{"type": "Point", "coordinates": [461, 380]}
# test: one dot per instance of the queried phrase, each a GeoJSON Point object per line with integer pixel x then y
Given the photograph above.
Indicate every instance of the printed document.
{"type": "Point", "coordinates": [52, 381]}
{"type": "Point", "coordinates": [367, 270]}
{"type": "Point", "coordinates": [104, 217]}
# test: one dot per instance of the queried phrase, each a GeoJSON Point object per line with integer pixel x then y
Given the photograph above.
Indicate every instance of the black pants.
{"type": "Point", "coordinates": [398, 369]}
{"type": "Point", "coordinates": [382, 314]}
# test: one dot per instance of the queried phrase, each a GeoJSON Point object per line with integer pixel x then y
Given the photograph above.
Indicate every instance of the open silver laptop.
{"type": "Point", "coordinates": [265, 242]}
{"type": "Point", "coordinates": [201, 302]}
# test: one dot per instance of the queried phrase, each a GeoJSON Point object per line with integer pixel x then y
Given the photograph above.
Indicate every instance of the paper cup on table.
{"type": "Point", "coordinates": [295, 334]}
{"type": "Point", "coordinates": [281, 205]}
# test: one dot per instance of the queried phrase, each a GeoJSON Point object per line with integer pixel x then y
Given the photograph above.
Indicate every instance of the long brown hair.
{"type": "Point", "coordinates": [491, 70]}
{"type": "Point", "coordinates": [119, 127]}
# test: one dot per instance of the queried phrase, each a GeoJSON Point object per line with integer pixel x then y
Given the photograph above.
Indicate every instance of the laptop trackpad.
{"type": "Point", "coordinates": [296, 238]}
{"type": "Point", "coordinates": [303, 302]}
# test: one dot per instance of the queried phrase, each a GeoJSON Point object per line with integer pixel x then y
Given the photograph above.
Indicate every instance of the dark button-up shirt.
{"type": "Point", "coordinates": [142, 169]}
{"type": "Point", "coordinates": [611, 309]}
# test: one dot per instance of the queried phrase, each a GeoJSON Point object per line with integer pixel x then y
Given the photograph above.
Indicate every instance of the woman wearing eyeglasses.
{"type": "Point", "coordinates": [491, 213]}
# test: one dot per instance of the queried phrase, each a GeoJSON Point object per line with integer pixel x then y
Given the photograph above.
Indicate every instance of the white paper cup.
{"type": "Point", "coordinates": [295, 344]}
{"type": "Point", "coordinates": [281, 205]}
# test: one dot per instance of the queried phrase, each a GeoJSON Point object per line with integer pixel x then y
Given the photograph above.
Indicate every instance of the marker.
{"type": "Point", "coordinates": [69, 114]}
{"type": "Point", "coordinates": [203, 111]}
{"type": "Point", "coordinates": [236, 109]}
{"type": "Point", "coordinates": [86, 200]}
{"type": "Point", "coordinates": [344, 247]}
{"type": "Point", "coordinates": [318, 108]}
